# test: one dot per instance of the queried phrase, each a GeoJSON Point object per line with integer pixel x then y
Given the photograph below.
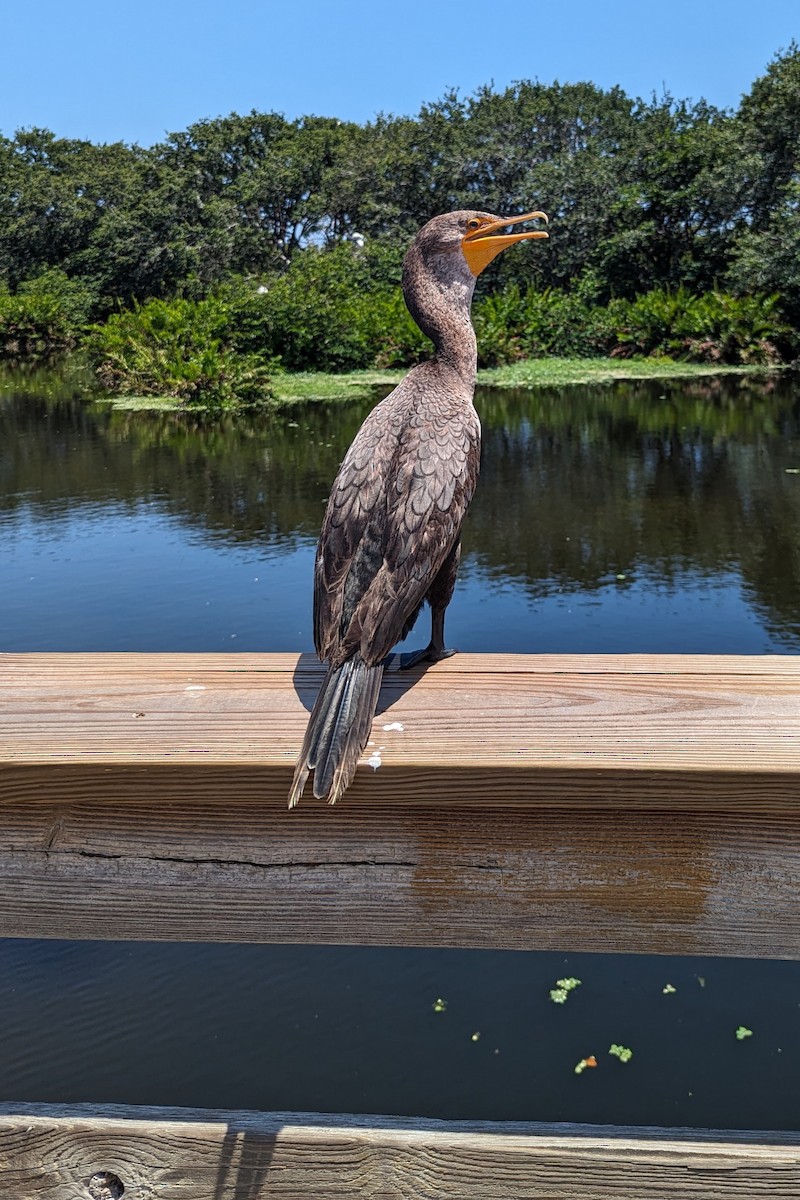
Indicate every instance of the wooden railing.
{"type": "Point", "coordinates": [637, 803]}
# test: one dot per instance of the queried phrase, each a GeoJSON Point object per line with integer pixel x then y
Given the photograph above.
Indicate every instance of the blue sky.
{"type": "Point", "coordinates": [108, 72]}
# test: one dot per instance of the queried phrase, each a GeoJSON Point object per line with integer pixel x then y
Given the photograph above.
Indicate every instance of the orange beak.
{"type": "Point", "coordinates": [480, 247]}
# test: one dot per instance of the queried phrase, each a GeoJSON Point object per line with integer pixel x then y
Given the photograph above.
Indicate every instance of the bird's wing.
{"type": "Point", "coordinates": [431, 481]}
{"type": "Point", "coordinates": [357, 504]}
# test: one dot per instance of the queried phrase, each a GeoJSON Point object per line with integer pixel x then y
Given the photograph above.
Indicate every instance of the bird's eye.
{"type": "Point", "coordinates": [473, 224]}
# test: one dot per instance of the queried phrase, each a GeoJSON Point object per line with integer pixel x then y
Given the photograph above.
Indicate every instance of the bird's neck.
{"type": "Point", "coordinates": [439, 297]}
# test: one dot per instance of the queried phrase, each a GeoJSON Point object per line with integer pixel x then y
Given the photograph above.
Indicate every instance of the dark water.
{"type": "Point", "coordinates": [657, 517]}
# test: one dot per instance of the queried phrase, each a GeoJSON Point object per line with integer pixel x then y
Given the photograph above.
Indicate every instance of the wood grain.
{"type": "Point", "coordinates": [50, 1153]}
{"type": "Point", "coordinates": [590, 803]}
{"type": "Point", "coordinates": [506, 878]}
{"type": "Point", "coordinates": [690, 731]}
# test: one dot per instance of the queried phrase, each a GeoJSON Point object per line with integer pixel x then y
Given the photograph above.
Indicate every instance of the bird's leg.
{"type": "Point", "coordinates": [439, 596]}
{"type": "Point", "coordinates": [435, 650]}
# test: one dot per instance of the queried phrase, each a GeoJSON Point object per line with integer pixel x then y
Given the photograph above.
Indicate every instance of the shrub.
{"type": "Point", "coordinates": [181, 348]}
{"type": "Point", "coordinates": [531, 324]}
{"type": "Point", "coordinates": [320, 315]}
{"type": "Point", "coordinates": [324, 315]}
{"type": "Point", "coordinates": [744, 329]}
{"type": "Point", "coordinates": [43, 318]}
{"type": "Point", "coordinates": [659, 322]}
{"type": "Point", "coordinates": [332, 310]}
{"type": "Point", "coordinates": [715, 327]}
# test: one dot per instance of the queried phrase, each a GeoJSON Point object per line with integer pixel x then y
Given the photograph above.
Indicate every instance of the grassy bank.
{"type": "Point", "coordinates": [557, 372]}
{"type": "Point", "coordinates": [307, 387]}
{"type": "Point", "coordinates": [315, 387]}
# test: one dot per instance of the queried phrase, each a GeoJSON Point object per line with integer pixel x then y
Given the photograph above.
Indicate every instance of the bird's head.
{"type": "Point", "coordinates": [439, 272]}
{"type": "Point", "coordinates": [475, 236]}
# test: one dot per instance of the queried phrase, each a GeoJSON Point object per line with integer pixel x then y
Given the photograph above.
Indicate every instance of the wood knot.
{"type": "Point", "coordinates": [105, 1185]}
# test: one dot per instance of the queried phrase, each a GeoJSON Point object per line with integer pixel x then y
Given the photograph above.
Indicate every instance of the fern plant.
{"type": "Point", "coordinates": [181, 348]}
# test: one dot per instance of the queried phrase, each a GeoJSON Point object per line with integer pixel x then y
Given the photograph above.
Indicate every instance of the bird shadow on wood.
{"type": "Point", "coordinates": [309, 673]}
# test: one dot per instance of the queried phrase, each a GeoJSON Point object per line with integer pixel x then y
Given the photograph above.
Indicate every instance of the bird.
{"type": "Point", "coordinates": [391, 535]}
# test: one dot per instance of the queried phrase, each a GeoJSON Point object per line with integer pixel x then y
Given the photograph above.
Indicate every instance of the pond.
{"type": "Point", "coordinates": [641, 517]}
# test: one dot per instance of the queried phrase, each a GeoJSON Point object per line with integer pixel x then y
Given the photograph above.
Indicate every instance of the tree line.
{"type": "Point", "coordinates": [646, 197]}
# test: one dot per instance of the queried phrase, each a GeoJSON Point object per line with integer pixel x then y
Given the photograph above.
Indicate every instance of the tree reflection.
{"type": "Point", "coordinates": [579, 485]}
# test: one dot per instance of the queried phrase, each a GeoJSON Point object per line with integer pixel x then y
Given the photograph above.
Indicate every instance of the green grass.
{"type": "Point", "coordinates": [302, 387]}
{"type": "Point", "coordinates": [556, 372]}
{"type": "Point", "coordinates": [311, 386]}
{"type": "Point", "coordinates": [533, 373]}
{"type": "Point", "coordinates": [144, 403]}
{"type": "Point", "coordinates": [307, 387]}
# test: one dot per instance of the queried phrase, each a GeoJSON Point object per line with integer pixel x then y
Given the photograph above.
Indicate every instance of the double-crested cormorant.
{"type": "Point", "coordinates": [391, 535]}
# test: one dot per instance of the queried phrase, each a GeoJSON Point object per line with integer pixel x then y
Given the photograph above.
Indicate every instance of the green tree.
{"type": "Point", "coordinates": [768, 260]}
{"type": "Point", "coordinates": [256, 184]}
{"type": "Point", "coordinates": [766, 253]}
{"type": "Point", "coordinates": [769, 121]}
{"type": "Point", "coordinates": [55, 194]}
{"type": "Point", "coordinates": [669, 211]}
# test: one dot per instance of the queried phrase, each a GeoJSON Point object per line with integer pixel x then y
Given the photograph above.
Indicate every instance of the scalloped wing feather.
{"type": "Point", "coordinates": [357, 493]}
{"type": "Point", "coordinates": [395, 512]}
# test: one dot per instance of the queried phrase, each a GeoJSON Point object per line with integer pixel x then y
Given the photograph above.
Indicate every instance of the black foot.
{"type": "Point", "coordinates": [431, 654]}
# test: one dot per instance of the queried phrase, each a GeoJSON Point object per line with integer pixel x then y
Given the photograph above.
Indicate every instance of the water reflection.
{"type": "Point", "coordinates": [646, 500]}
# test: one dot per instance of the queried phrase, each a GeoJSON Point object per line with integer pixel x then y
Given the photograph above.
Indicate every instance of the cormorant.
{"type": "Point", "coordinates": [391, 535]}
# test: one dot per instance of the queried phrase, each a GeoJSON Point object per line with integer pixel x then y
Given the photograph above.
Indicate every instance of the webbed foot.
{"type": "Point", "coordinates": [431, 653]}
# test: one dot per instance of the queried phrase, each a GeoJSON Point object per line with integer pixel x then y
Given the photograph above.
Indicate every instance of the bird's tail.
{"type": "Point", "coordinates": [338, 729]}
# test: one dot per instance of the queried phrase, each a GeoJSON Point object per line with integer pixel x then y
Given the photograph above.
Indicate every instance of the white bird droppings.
{"type": "Point", "coordinates": [395, 725]}
{"type": "Point", "coordinates": [195, 687]}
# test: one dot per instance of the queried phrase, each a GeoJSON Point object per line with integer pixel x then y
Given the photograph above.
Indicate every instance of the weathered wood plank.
{"type": "Point", "coordinates": [161, 867]}
{"type": "Point", "coordinates": [173, 826]}
{"type": "Point", "coordinates": [51, 1153]}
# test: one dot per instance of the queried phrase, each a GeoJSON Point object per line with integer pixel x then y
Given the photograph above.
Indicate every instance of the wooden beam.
{"type": "Point", "coordinates": [638, 803]}
{"type": "Point", "coordinates": [489, 728]}
{"type": "Point", "coordinates": [71, 1153]}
